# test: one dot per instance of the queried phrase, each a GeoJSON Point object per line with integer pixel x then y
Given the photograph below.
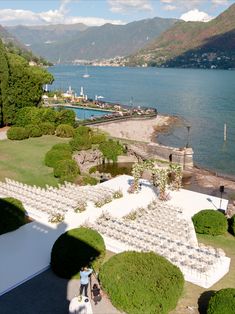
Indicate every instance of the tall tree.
{"type": "Point", "coordinates": [4, 76]}
{"type": "Point", "coordinates": [25, 87]}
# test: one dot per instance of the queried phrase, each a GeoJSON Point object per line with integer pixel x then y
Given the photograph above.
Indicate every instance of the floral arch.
{"type": "Point", "coordinates": [170, 176]}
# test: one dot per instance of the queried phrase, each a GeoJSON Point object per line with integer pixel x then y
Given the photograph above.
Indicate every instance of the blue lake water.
{"type": "Point", "coordinates": [83, 113]}
{"type": "Point", "coordinates": [204, 98]}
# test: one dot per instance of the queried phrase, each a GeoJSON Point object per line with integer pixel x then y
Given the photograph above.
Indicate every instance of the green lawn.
{"type": "Point", "coordinates": [24, 160]}
{"type": "Point", "coordinates": [192, 292]}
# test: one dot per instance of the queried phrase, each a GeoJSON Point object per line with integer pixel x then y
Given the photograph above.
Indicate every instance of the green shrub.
{"type": "Point", "coordinates": [111, 149]}
{"type": "Point", "coordinates": [48, 115]}
{"type": "Point", "coordinates": [28, 115]}
{"type": "Point", "coordinates": [209, 221]}
{"type": "Point", "coordinates": [66, 170]}
{"type": "Point", "coordinates": [12, 214]}
{"type": "Point", "coordinates": [48, 128]}
{"type": "Point", "coordinates": [64, 130]}
{"type": "Point", "coordinates": [222, 302]}
{"type": "Point", "coordinates": [83, 130]}
{"type": "Point", "coordinates": [53, 156]}
{"type": "Point", "coordinates": [33, 130]}
{"type": "Point", "coordinates": [17, 133]}
{"type": "Point", "coordinates": [88, 180]}
{"type": "Point", "coordinates": [92, 169]}
{"type": "Point", "coordinates": [142, 283]}
{"type": "Point", "coordinates": [80, 143]}
{"type": "Point", "coordinates": [34, 115]}
{"type": "Point", "coordinates": [63, 147]}
{"type": "Point", "coordinates": [65, 116]}
{"type": "Point", "coordinates": [77, 248]}
{"type": "Point", "coordinates": [98, 138]}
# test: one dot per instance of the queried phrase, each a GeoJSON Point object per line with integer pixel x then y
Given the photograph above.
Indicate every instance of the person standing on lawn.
{"type": "Point", "coordinates": [84, 279]}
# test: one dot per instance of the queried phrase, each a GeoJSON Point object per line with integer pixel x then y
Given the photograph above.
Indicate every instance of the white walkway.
{"type": "Point", "coordinates": [26, 251]}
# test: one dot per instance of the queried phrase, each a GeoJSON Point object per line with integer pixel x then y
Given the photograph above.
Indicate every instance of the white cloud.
{"type": "Point", "coordinates": [122, 6]}
{"type": "Point", "coordinates": [196, 15]}
{"type": "Point", "coordinates": [169, 7]}
{"type": "Point", "coordinates": [60, 16]}
{"type": "Point", "coordinates": [14, 17]}
{"type": "Point", "coordinates": [91, 21]}
{"type": "Point", "coordinates": [190, 4]}
{"type": "Point", "coordinates": [220, 2]}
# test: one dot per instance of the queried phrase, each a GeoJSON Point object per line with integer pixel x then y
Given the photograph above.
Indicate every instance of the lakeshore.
{"type": "Point", "coordinates": [140, 130]}
{"type": "Point", "coordinates": [198, 179]}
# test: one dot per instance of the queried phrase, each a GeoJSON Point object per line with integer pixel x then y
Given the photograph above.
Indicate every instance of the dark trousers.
{"type": "Point", "coordinates": [84, 287]}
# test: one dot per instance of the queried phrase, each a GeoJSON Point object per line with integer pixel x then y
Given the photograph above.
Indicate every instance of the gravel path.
{"type": "Point", "coordinates": [47, 294]}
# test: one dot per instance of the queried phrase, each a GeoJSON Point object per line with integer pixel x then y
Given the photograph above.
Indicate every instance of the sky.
{"type": "Point", "coordinates": [99, 12]}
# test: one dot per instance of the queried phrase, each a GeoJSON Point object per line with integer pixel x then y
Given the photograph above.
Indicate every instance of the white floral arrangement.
{"type": "Point", "coordinates": [118, 194]}
{"type": "Point", "coordinates": [81, 207]}
{"type": "Point", "coordinates": [56, 217]}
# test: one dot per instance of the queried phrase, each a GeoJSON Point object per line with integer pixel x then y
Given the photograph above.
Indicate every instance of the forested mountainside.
{"type": "Point", "coordinates": [67, 43]}
{"type": "Point", "coordinates": [193, 44]}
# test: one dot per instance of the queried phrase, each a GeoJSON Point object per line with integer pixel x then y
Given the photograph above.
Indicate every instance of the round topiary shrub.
{"type": "Point", "coordinates": [17, 133]}
{"type": "Point", "coordinates": [47, 128]}
{"type": "Point", "coordinates": [12, 214]}
{"type": "Point", "coordinates": [142, 282]}
{"type": "Point", "coordinates": [81, 142]}
{"type": "Point", "coordinates": [77, 248]}
{"type": "Point", "coordinates": [64, 130]}
{"type": "Point", "coordinates": [66, 170]}
{"type": "Point", "coordinates": [33, 130]}
{"type": "Point", "coordinates": [209, 221]}
{"type": "Point", "coordinates": [223, 301]}
{"type": "Point", "coordinates": [83, 130]}
{"type": "Point", "coordinates": [55, 155]}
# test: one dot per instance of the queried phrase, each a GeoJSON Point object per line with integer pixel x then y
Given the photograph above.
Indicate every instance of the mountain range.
{"type": "Point", "coordinates": [193, 44]}
{"type": "Point", "coordinates": [150, 42]}
{"type": "Point", "coordinates": [72, 42]}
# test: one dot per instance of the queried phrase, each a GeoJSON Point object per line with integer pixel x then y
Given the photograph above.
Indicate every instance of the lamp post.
{"type": "Point", "coordinates": [188, 129]}
{"type": "Point", "coordinates": [221, 189]}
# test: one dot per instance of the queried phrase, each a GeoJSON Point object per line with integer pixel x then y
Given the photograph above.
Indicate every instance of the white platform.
{"type": "Point", "coordinates": [26, 251]}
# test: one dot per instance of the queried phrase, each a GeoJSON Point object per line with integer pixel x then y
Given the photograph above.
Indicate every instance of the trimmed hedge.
{"type": "Point", "coordinates": [222, 302]}
{"type": "Point", "coordinates": [66, 170]}
{"type": "Point", "coordinates": [142, 283]}
{"type": "Point", "coordinates": [12, 214]}
{"type": "Point", "coordinates": [209, 221]}
{"type": "Point", "coordinates": [53, 156]}
{"type": "Point", "coordinates": [17, 133]}
{"type": "Point", "coordinates": [33, 130]}
{"type": "Point", "coordinates": [64, 130]}
{"type": "Point", "coordinates": [77, 248]}
{"type": "Point", "coordinates": [47, 128]}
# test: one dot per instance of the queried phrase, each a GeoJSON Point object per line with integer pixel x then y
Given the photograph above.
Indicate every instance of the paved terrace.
{"type": "Point", "coordinates": [26, 251]}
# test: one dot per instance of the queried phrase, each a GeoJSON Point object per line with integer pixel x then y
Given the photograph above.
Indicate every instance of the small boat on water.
{"type": "Point", "coordinates": [86, 75]}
